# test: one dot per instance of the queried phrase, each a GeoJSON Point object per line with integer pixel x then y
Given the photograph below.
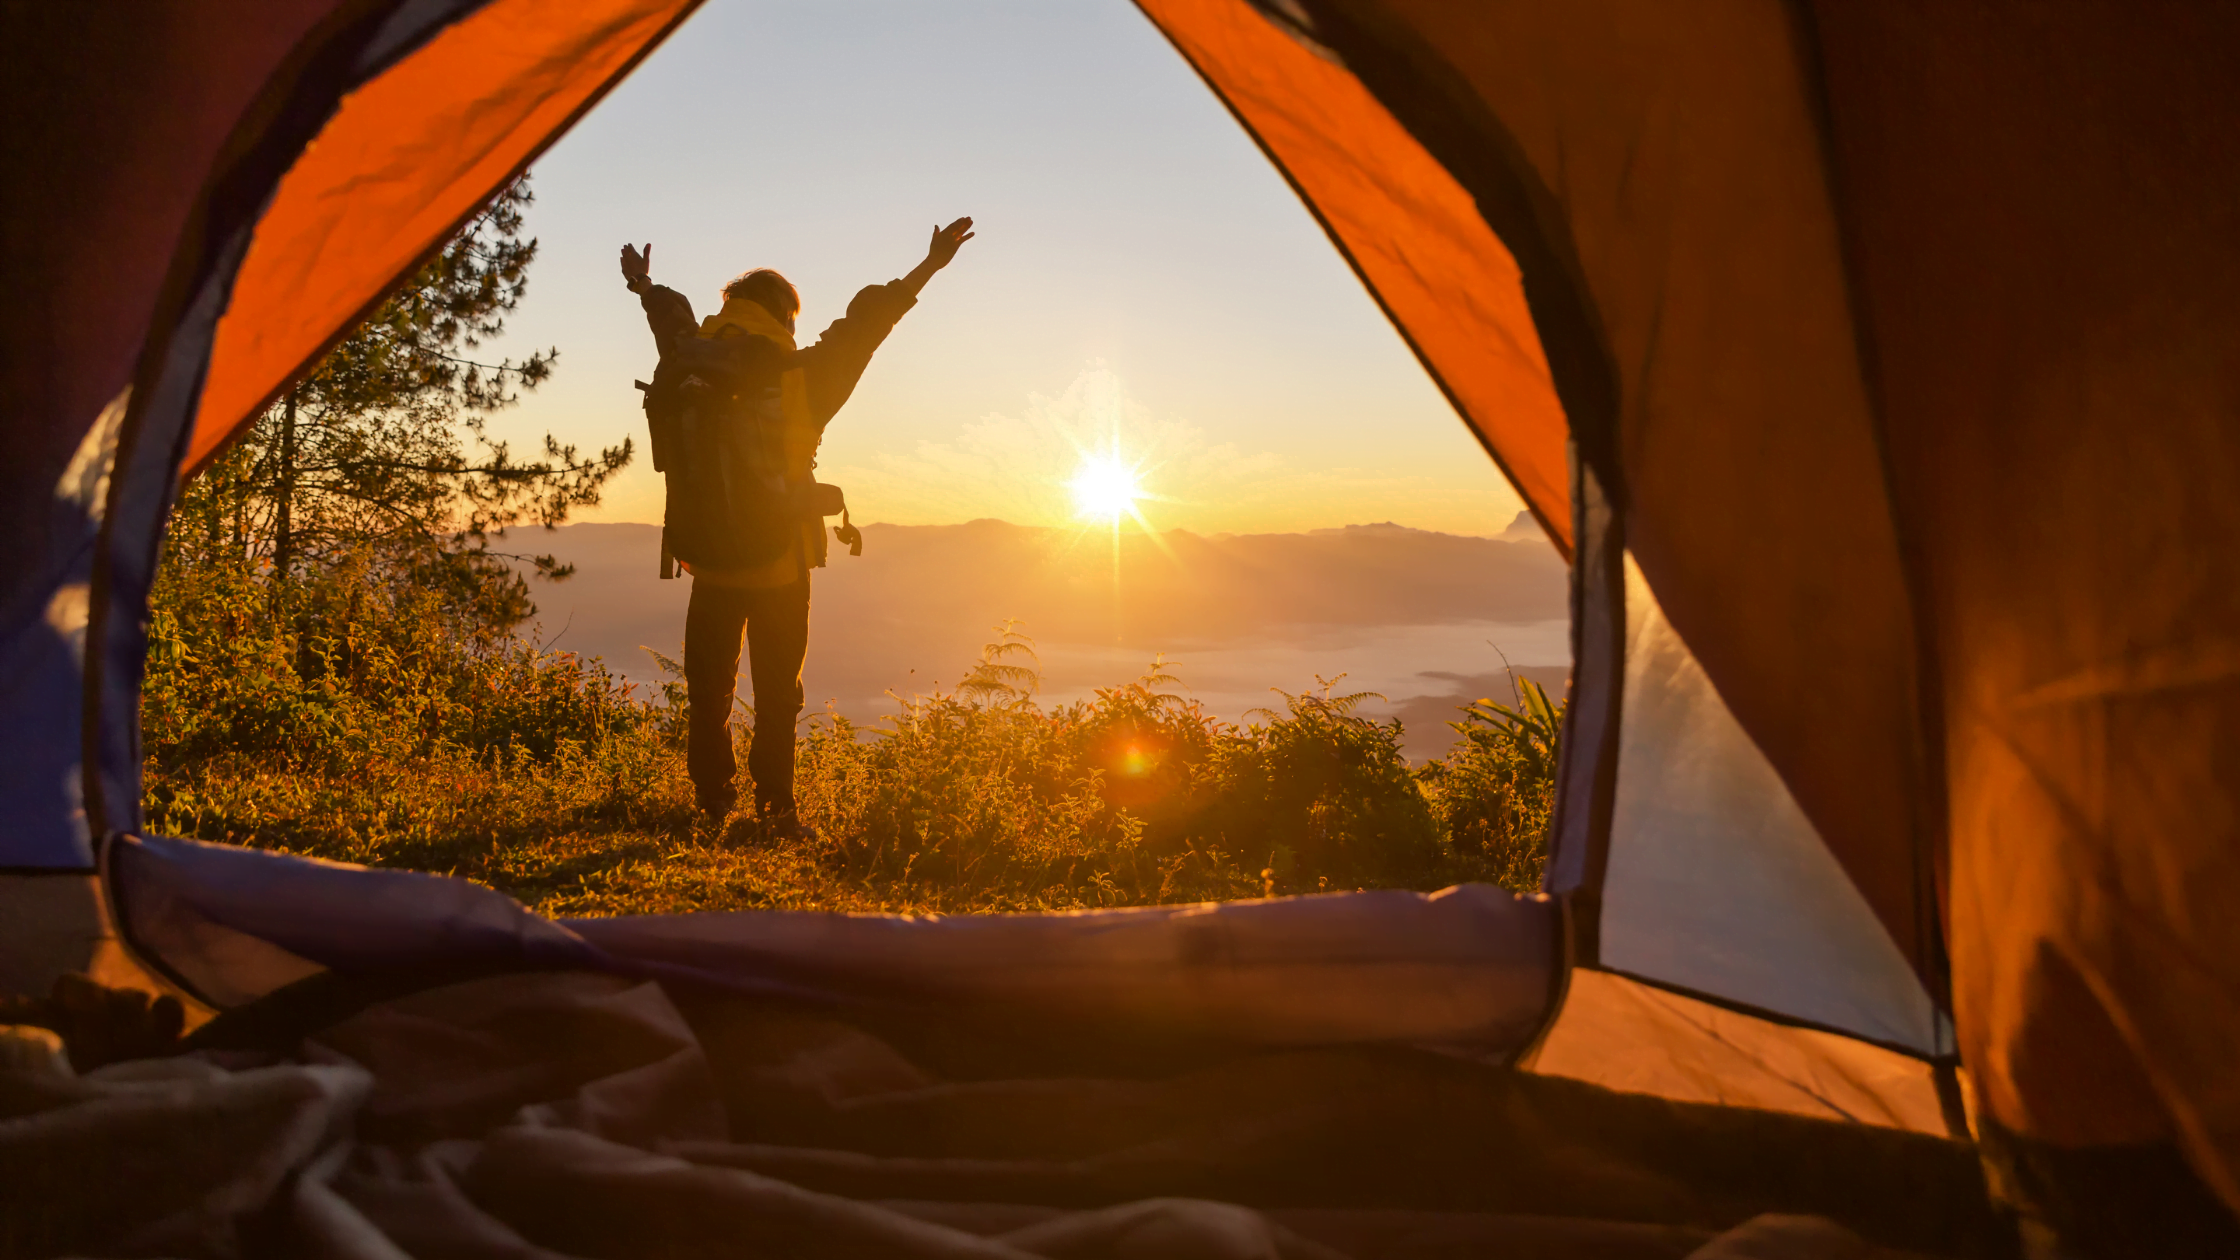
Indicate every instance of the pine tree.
{"type": "Point", "coordinates": [383, 449]}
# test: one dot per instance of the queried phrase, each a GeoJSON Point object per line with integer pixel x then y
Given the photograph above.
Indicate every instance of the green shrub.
{"type": "Point", "coordinates": [351, 661]}
{"type": "Point", "coordinates": [348, 712]}
{"type": "Point", "coordinates": [1493, 792]}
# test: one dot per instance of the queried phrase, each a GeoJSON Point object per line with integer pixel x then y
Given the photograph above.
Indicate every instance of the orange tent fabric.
{"type": "Point", "coordinates": [403, 162]}
{"type": "Point", "coordinates": [2046, 203]}
{"type": "Point", "coordinates": [1679, 150]}
{"type": "Point", "coordinates": [1921, 332]}
{"type": "Point", "coordinates": [1712, 258]}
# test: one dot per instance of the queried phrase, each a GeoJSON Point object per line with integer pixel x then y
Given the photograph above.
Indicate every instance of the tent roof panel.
{"type": "Point", "coordinates": [404, 160]}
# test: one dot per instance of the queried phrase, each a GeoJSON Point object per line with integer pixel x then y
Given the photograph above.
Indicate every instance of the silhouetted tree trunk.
{"type": "Point", "coordinates": [283, 526]}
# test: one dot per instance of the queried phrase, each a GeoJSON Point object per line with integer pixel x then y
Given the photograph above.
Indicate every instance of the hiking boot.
{"type": "Point", "coordinates": [784, 824]}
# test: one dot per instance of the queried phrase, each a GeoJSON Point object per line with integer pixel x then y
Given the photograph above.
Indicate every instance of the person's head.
{"type": "Point", "coordinates": [769, 290]}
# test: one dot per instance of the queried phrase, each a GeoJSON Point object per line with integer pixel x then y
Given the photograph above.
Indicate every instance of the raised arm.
{"type": "Point", "coordinates": [939, 253]}
{"type": "Point", "coordinates": [668, 312]}
{"type": "Point", "coordinates": [637, 269]}
{"type": "Point", "coordinates": [836, 361]}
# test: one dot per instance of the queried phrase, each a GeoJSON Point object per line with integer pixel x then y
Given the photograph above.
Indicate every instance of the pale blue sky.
{"type": "Point", "coordinates": [1139, 266]}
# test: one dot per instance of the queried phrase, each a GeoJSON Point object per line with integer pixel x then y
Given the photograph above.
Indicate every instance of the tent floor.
{"type": "Point", "coordinates": [589, 1114]}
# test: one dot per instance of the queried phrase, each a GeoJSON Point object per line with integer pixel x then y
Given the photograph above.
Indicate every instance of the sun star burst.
{"type": "Point", "coordinates": [1105, 488]}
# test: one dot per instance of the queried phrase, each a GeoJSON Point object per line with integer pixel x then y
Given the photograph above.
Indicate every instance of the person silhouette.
{"type": "Point", "coordinates": [750, 578]}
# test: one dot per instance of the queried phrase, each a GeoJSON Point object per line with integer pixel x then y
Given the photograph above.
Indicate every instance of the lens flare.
{"type": "Point", "coordinates": [1105, 488]}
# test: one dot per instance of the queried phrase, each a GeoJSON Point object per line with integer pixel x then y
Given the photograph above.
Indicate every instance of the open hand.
{"type": "Point", "coordinates": [946, 241]}
{"type": "Point", "coordinates": [636, 266]}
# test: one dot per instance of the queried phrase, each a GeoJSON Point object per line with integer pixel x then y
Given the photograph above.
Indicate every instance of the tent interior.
{"type": "Point", "coordinates": [1872, 364]}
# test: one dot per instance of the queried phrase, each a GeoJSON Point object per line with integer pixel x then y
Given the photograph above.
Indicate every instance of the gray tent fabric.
{"type": "Point", "coordinates": [1717, 882]}
{"type": "Point", "coordinates": [1645, 1038]}
{"type": "Point", "coordinates": [1469, 968]}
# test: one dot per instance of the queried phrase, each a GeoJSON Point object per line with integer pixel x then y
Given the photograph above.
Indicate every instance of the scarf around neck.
{"type": "Point", "coordinates": [749, 317]}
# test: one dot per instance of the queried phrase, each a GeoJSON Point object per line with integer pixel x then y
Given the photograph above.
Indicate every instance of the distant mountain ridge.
{"type": "Point", "coordinates": [917, 605]}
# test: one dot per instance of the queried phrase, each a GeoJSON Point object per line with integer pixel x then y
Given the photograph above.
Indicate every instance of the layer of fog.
{"type": "Point", "coordinates": [1424, 618]}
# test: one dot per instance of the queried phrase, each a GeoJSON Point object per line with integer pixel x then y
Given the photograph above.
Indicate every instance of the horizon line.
{"type": "Point", "coordinates": [1504, 536]}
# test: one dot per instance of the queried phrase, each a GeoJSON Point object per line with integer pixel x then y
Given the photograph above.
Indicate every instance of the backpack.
{"type": "Point", "coordinates": [718, 439]}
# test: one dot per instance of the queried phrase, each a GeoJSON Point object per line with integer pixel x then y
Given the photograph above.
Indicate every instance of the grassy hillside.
{"type": "Point", "coordinates": [349, 715]}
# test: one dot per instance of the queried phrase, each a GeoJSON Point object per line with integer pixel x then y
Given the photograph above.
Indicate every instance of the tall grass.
{"type": "Point", "coordinates": [348, 714]}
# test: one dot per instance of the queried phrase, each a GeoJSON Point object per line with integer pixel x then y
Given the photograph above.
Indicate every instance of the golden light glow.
{"type": "Point", "coordinates": [1105, 488]}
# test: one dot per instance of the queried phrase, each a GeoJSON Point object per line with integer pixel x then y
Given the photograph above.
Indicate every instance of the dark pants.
{"type": "Point", "coordinates": [776, 626]}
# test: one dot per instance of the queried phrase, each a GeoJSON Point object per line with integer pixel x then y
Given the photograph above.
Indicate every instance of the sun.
{"type": "Point", "coordinates": [1105, 488]}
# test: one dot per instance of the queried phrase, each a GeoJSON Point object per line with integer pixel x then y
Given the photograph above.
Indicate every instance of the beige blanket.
{"type": "Point", "coordinates": [582, 1115]}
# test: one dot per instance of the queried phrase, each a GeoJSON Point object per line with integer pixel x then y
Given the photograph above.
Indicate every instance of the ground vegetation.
{"type": "Point", "coordinates": [353, 714]}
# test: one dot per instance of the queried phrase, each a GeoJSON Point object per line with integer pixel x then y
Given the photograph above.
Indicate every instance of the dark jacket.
{"type": "Point", "coordinates": [741, 484]}
{"type": "Point", "coordinates": [832, 366]}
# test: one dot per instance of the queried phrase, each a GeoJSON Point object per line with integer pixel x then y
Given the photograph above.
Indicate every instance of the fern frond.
{"type": "Point", "coordinates": [994, 679]}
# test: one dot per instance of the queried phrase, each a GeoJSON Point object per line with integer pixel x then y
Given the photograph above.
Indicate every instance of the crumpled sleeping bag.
{"type": "Point", "coordinates": [558, 1114]}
